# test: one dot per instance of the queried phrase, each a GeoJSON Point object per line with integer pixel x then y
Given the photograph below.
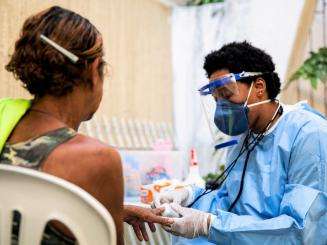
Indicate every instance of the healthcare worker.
{"type": "Point", "coordinates": [273, 190]}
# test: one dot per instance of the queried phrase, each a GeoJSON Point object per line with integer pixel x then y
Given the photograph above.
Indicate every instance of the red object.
{"type": "Point", "coordinates": [194, 159]}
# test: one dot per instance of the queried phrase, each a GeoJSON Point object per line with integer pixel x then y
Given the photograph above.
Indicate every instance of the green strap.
{"type": "Point", "coordinates": [11, 111]}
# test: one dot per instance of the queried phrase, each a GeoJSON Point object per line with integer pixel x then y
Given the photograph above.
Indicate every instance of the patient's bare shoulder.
{"type": "Point", "coordinates": [83, 157]}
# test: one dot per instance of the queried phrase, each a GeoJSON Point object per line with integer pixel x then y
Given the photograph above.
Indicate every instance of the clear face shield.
{"type": "Point", "coordinates": [222, 114]}
{"type": "Point", "coordinates": [223, 87]}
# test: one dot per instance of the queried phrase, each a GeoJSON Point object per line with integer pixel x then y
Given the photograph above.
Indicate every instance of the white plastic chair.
{"type": "Point", "coordinates": [40, 197]}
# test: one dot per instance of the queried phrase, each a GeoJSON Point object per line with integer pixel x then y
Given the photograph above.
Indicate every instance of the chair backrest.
{"type": "Point", "coordinates": [40, 197]}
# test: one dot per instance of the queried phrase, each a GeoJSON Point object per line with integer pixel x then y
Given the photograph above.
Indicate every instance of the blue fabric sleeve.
{"type": "Point", "coordinates": [301, 221]}
{"type": "Point", "coordinates": [302, 217]}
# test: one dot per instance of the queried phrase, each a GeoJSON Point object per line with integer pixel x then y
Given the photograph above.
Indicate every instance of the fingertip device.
{"type": "Point", "coordinates": [169, 212]}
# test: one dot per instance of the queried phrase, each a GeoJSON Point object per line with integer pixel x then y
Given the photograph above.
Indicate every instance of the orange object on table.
{"type": "Point", "coordinates": [146, 194]}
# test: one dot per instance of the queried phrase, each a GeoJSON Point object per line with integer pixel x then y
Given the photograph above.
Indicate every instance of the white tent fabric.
{"type": "Point", "coordinates": [195, 31]}
{"type": "Point", "coordinates": [270, 25]}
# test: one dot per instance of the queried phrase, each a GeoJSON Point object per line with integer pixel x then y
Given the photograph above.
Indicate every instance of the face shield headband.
{"type": "Point", "coordinates": [226, 83]}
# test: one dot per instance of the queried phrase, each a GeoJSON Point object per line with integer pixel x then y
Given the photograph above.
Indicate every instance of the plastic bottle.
{"type": "Point", "coordinates": [194, 176]}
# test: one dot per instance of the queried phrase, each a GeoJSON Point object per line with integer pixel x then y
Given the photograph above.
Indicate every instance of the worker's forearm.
{"type": "Point", "coordinates": [295, 219]}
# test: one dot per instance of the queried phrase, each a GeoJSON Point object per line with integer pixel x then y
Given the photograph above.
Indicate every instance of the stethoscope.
{"type": "Point", "coordinates": [247, 146]}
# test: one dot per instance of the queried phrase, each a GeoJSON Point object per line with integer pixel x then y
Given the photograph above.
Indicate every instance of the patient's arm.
{"type": "Point", "coordinates": [136, 216]}
{"type": "Point", "coordinates": [109, 188]}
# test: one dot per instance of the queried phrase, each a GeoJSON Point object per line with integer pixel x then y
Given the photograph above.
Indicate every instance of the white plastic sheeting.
{"type": "Point", "coordinates": [195, 31]}
{"type": "Point", "coordinates": [269, 25]}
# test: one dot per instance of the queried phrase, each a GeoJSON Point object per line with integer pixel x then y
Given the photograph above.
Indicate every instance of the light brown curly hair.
{"type": "Point", "coordinates": [41, 68]}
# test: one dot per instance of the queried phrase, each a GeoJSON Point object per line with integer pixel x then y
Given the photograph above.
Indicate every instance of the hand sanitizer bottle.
{"type": "Point", "coordinates": [194, 173]}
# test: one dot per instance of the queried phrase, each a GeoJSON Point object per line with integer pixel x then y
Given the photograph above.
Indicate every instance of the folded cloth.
{"type": "Point", "coordinates": [11, 111]}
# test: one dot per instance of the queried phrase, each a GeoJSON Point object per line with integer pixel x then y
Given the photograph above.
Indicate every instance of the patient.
{"type": "Point", "coordinates": [65, 93]}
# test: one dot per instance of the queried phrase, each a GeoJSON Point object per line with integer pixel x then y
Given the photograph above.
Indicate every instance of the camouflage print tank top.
{"type": "Point", "coordinates": [31, 154]}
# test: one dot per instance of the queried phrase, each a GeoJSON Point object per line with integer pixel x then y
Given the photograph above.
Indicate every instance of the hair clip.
{"type": "Point", "coordinates": [62, 50]}
{"type": "Point", "coordinates": [250, 74]}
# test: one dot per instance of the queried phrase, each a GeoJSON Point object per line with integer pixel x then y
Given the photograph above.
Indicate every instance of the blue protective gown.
{"type": "Point", "coordinates": [284, 199]}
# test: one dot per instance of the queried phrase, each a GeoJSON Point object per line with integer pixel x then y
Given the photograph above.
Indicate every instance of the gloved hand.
{"type": "Point", "coordinates": [182, 196]}
{"type": "Point", "coordinates": [191, 224]}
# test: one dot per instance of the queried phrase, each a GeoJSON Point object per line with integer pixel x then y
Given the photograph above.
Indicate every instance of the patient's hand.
{"type": "Point", "coordinates": [136, 216]}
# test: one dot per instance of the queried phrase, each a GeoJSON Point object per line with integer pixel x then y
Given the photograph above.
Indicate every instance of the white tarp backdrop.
{"type": "Point", "coordinates": [270, 25]}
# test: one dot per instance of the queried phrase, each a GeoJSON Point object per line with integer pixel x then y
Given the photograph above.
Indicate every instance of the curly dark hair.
{"type": "Point", "coordinates": [42, 69]}
{"type": "Point", "coordinates": [242, 56]}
